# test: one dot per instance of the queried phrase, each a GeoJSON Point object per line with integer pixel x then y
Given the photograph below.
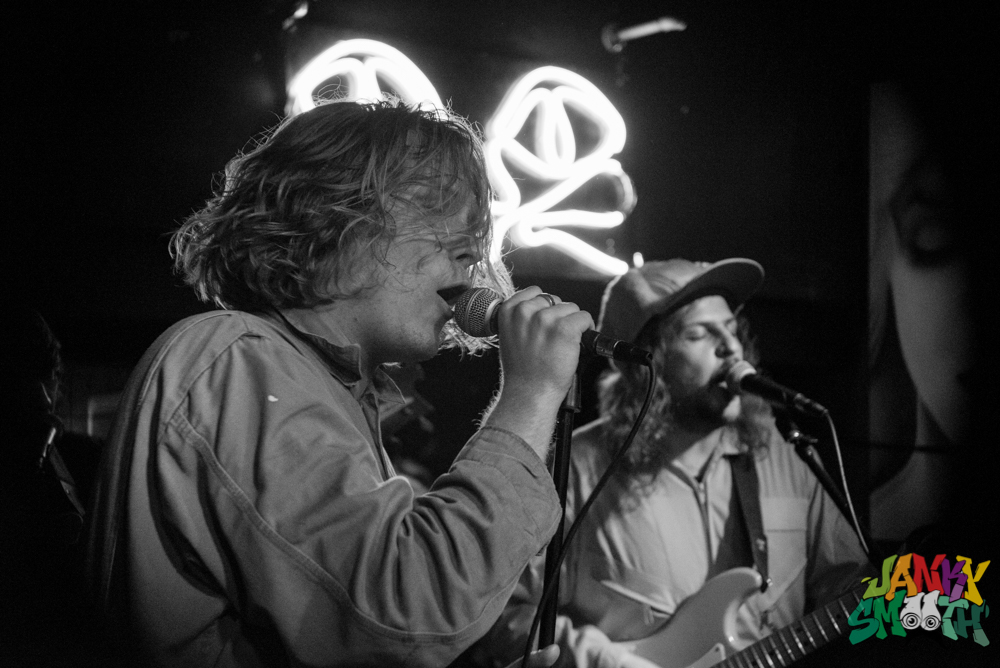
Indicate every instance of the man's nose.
{"type": "Point", "coordinates": [461, 271]}
{"type": "Point", "coordinates": [463, 264]}
{"type": "Point", "coordinates": [729, 345]}
{"type": "Point", "coordinates": [470, 259]}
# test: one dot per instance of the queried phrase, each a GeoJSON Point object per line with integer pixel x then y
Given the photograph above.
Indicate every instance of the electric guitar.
{"type": "Point", "coordinates": [702, 632]}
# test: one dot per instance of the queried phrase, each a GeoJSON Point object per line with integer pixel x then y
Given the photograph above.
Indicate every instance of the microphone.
{"type": "Point", "coordinates": [742, 377]}
{"type": "Point", "coordinates": [476, 313]}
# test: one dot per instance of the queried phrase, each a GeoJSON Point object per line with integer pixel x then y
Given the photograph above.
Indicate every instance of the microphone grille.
{"type": "Point", "coordinates": [473, 310]}
{"type": "Point", "coordinates": [736, 373]}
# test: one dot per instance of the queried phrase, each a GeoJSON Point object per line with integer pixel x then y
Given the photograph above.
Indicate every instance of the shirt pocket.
{"type": "Point", "coordinates": [786, 528]}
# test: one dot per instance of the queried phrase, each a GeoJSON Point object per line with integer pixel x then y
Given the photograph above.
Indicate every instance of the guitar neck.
{"type": "Point", "coordinates": [793, 642]}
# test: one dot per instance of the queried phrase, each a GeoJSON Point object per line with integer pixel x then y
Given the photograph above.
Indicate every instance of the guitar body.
{"type": "Point", "coordinates": [702, 631]}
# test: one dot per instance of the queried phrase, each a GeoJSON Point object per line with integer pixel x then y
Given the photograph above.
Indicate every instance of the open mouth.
{"type": "Point", "coordinates": [452, 294]}
{"type": "Point", "coordinates": [721, 378]}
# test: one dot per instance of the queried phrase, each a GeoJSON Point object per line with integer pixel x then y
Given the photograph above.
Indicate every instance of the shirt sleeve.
{"type": "Point", "coordinates": [583, 647]}
{"type": "Point", "coordinates": [268, 483]}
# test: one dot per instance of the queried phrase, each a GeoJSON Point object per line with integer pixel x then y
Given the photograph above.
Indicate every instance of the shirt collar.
{"type": "Point", "coordinates": [342, 355]}
{"type": "Point", "coordinates": [727, 445]}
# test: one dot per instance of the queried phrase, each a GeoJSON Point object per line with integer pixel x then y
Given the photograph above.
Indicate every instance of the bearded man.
{"type": "Point", "coordinates": [708, 485]}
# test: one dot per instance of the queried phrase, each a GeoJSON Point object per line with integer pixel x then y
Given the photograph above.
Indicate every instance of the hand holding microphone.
{"type": "Point", "coordinates": [539, 355]}
{"type": "Point", "coordinates": [477, 313]}
{"type": "Point", "coordinates": [538, 334]}
{"type": "Point", "coordinates": [540, 343]}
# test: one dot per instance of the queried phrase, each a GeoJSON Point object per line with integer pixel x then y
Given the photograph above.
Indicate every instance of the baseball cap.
{"type": "Point", "coordinates": [661, 287]}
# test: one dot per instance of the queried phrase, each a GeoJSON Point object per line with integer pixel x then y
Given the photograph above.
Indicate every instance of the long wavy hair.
{"type": "Point", "coordinates": [622, 391]}
{"type": "Point", "coordinates": [320, 196]}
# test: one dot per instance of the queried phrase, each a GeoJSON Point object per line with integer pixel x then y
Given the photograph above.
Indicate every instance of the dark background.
{"type": "Point", "coordinates": [747, 136]}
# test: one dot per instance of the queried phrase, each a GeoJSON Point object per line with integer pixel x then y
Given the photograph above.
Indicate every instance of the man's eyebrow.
{"type": "Point", "coordinates": [706, 323]}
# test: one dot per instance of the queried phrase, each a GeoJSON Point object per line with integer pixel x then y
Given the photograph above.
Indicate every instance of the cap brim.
{"type": "Point", "coordinates": [734, 279]}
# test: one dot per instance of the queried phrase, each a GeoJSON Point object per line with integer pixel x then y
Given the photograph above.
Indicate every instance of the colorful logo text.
{"type": "Point", "coordinates": [911, 595]}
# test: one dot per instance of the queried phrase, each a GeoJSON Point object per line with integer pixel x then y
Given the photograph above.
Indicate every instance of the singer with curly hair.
{"type": "Point", "coordinates": [247, 513]}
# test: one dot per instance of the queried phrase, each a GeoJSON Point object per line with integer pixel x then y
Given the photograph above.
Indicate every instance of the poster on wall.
{"type": "Point", "coordinates": [921, 334]}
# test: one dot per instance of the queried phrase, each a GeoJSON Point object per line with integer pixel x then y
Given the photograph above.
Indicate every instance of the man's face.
{"type": "Point", "coordinates": [701, 344]}
{"type": "Point", "coordinates": [401, 318]}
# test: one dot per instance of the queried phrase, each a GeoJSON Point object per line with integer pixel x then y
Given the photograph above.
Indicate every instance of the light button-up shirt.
{"type": "Point", "coordinates": [247, 514]}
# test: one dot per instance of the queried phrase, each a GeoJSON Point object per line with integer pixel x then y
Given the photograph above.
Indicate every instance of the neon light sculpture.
{"type": "Point", "coordinates": [359, 62]}
{"type": "Point", "coordinates": [555, 161]}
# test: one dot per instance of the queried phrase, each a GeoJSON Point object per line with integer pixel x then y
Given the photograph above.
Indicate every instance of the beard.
{"type": "Point", "coordinates": [704, 408]}
{"type": "Point", "coordinates": [697, 409]}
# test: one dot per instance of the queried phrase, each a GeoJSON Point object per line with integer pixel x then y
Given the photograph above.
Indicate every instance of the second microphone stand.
{"type": "Point", "coordinates": [805, 449]}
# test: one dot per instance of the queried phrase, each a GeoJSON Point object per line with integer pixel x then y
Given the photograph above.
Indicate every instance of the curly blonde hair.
{"type": "Point", "coordinates": [319, 196]}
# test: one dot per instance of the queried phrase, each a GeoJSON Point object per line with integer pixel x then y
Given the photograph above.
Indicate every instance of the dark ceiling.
{"type": "Point", "coordinates": [747, 132]}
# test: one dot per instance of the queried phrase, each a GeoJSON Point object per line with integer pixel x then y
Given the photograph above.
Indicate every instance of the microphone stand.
{"type": "Point", "coordinates": [804, 448]}
{"type": "Point", "coordinates": [560, 476]}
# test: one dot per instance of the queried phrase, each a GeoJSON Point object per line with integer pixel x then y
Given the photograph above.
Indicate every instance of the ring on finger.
{"type": "Point", "coordinates": [549, 298]}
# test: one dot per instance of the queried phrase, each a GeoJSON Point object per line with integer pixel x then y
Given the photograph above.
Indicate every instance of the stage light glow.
{"type": "Point", "coordinates": [359, 63]}
{"type": "Point", "coordinates": [555, 159]}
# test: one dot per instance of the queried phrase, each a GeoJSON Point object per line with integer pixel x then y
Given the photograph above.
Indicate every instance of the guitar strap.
{"type": "Point", "coordinates": [748, 493]}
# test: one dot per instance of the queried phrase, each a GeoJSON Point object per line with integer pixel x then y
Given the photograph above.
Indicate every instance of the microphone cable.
{"type": "Point", "coordinates": [847, 492]}
{"type": "Point", "coordinates": [547, 588]}
{"type": "Point", "coordinates": [743, 371]}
